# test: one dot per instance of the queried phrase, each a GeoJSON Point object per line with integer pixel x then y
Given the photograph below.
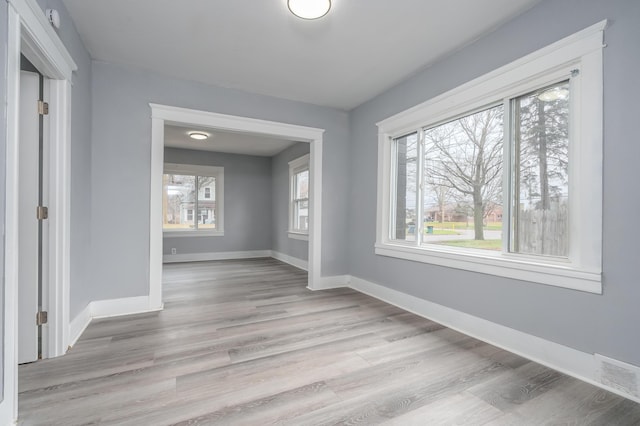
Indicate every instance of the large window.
{"type": "Point", "coordinates": [192, 200]}
{"type": "Point", "coordinates": [299, 198]}
{"type": "Point", "coordinates": [460, 167]}
{"type": "Point", "coordinates": [503, 175]}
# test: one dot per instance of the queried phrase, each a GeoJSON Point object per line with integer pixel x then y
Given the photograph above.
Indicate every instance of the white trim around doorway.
{"type": "Point", "coordinates": [29, 33]}
{"type": "Point", "coordinates": [161, 114]}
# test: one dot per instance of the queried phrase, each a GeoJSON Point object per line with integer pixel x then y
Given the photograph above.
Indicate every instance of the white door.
{"type": "Point", "coordinates": [29, 176]}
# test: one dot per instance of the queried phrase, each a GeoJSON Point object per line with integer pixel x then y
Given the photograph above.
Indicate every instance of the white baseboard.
{"type": "Point", "coordinates": [117, 307]}
{"type": "Point", "coordinates": [581, 365]}
{"type": "Point", "coordinates": [105, 309]}
{"type": "Point", "coordinates": [336, 281]}
{"type": "Point", "coordinates": [294, 261]}
{"type": "Point", "coordinates": [79, 324]}
{"type": "Point", "coordinates": [222, 255]}
{"type": "Point", "coordinates": [228, 255]}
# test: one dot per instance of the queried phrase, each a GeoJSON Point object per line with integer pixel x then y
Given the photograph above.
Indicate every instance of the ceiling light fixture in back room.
{"type": "Point", "coordinates": [309, 9]}
{"type": "Point", "coordinates": [199, 136]}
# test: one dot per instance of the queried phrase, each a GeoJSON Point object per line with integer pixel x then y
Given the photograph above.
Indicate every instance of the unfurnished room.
{"type": "Point", "coordinates": [319, 212]}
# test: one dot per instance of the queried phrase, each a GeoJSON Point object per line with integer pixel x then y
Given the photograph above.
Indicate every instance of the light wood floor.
{"type": "Point", "coordinates": [244, 342]}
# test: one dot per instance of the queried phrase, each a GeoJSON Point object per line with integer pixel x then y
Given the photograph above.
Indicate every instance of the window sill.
{"type": "Point", "coordinates": [193, 233]}
{"type": "Point", "coordinates": [556, 274]}
{"type": "Point", "coordinates": [298, 235]}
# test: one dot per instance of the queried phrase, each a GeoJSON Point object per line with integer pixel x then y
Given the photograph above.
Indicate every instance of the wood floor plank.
{"type": "Point", "coordinates": [244, 342]}
{"type": "Point", "coordinates": [271, 409]}
{"type": "Point", "coordinates": [459, 409]}
{"type": "Point", "coordinates": [515, 387]}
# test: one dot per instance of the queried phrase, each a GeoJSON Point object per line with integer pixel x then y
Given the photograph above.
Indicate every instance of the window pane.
{"type": "Point", "coordinates": [302, 185]}
{"type": "Point", "coordinates": [206, 202]}
{"type": "Point", "coordinates": [178, 201]}
{"type": "Point", "coordinates": [301, 215]}
{"type": "Point", "coordinates": [406, 175]}
{"type": "Point", "coordinates": [541, 178]}
{"type": "Point", "coordinates": [462, 187]}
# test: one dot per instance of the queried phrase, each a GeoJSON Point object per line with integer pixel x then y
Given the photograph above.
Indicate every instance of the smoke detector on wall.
{"type": "Point", "coordinates": [54, 17]}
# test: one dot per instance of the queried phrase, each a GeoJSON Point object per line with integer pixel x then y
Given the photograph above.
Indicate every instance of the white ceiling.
{"type": "Point", "coordinates": [358, 50]}
{"type": "Point", "coordinates": [176, 136]}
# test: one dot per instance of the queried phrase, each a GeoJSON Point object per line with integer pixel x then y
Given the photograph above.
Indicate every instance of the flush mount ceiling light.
{"type": "Point", "coordinates": [200, 136]}
{"type": "Point", "coordinates": [309, 9]}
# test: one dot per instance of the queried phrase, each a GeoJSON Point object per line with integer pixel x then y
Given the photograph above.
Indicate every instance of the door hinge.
{"type": "Point", "coordinates": [41, 318]}
{"type": "Point", "coordinates": [42, 212]}
{"type": "Point", "coordinates": [43, 108]}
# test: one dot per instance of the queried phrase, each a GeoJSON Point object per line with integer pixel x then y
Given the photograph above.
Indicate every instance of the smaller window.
{"type": "Point", "coordinates": [193, 200]}
{"type": "Point", "coordinates": [299, 197]}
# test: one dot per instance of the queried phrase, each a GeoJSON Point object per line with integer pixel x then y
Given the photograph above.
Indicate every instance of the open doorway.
{"type": "Point", "coordinates": [227, 195]}
{"type": "Point", "coordinates": [33, 202]}
{"type": "Point", "coordinates": [162, 115]}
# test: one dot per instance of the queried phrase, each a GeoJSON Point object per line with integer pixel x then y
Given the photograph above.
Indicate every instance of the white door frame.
{"type": "Point", "coordinates": [30, 33]}
{"type": "Point", "coordinates": [174, 115]}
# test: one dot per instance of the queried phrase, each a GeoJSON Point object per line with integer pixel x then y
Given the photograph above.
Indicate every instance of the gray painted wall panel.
{"type": "Point", "coordinates": [247, 203]}
{"type": "Point", "coordinates": [80, 285]}
{"type": "Point", "coordinates": [280, 190]}
{"type": "Point", "coordinates": [3, 171]}
{"type": "Point", "coordinates": [605, 324]}
{"type": "Point", "coordinates": [121, 138]}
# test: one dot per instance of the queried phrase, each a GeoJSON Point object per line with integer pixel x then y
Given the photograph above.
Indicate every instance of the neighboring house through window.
{"type": "Point", "coordinates": [299, 198]}
{"type": "Point", "coordinates": [189, 189]}
{"type": "Point", "coordinates": [502, 175]}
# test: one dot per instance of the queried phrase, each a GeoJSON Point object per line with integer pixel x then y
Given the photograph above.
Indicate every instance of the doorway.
{"type": "Point", "coordinates": [162, 114]}
{"type": "Point", "coordinates": [33, 226]}
{"type": "Point", "coordinates": [30, 34]}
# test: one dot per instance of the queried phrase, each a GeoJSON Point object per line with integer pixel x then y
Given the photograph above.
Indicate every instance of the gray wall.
{"type": "Point", "coordinates": [81, 274]}
{"type": "Point", "coordinates": [247, 203]}
{"type": "Point", "coordinates": [280, 193]}
{"type": "Point", "coordinates": [121, 146]}
{"type": "Point", "coordinates": [3, 147]}
{"type": "Point", "coordinates": [605, 324]}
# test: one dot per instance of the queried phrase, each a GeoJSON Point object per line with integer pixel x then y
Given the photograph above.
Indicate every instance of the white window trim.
{"type": "Point", "coordinates": [581, 51]}
{"type": "Point", "coordinates": [296, 166]}
{"type": "Point", "coordinates": [195, 170]}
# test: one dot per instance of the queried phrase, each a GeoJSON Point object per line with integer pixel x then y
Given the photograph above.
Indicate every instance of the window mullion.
{"type": "Point", "coordinates": [393, 194]}
{"type": "Point", "coordinates": [293, 207]}
{"type": "Point", "coordinates": [509, 176]}
{"type": "Point", "coordinates": [420, 187]}
{"type": "Point", "coordinates": [196, 210]}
